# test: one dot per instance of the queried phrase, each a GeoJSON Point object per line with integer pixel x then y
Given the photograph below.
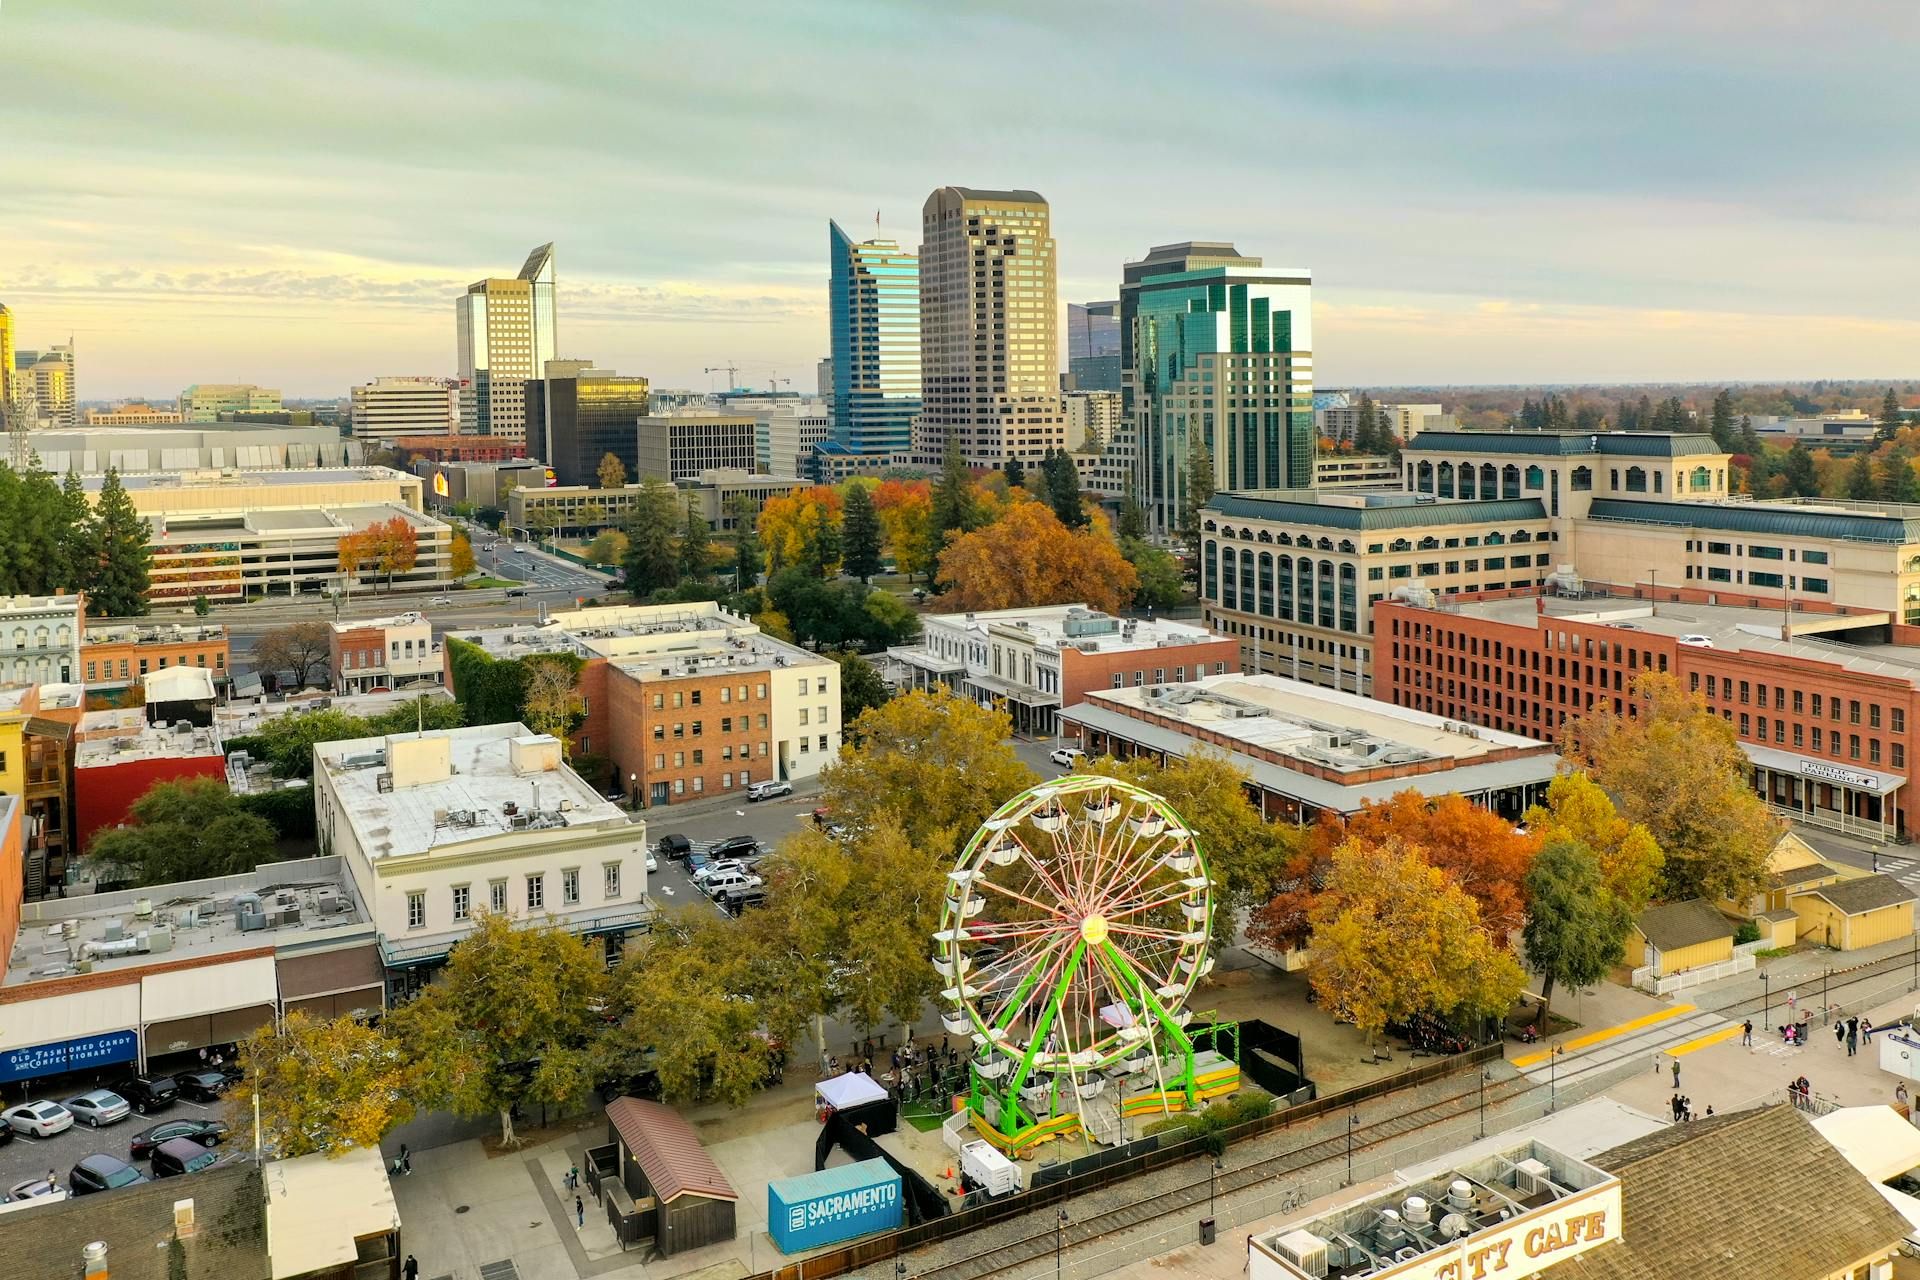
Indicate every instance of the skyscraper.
{"type": "Point", "coordinates": [1093, 346]}
{"type": "Point", "coordinates": [1216, 356]}
{"type": "Point", "coordinates": [874, 296]}
{"type": "Point", "coordinates": [7, 392]}
{"type": "Point", "coordinates": [989, 353]}
{"type": "Point", "coordinates": [505, 336]}
{"type": "Point", "coordinates": [50, 388]}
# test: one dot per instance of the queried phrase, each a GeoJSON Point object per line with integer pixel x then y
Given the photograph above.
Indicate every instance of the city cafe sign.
{"type": "Point", "coordinates": [1525, 1245]}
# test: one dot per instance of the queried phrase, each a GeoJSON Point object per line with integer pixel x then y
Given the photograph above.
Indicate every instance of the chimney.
{"type": "Point", "coordinates": [93, 1260]}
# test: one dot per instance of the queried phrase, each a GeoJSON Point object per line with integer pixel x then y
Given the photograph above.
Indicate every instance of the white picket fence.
{"type": "Point", "coordinates": [1643, 977]}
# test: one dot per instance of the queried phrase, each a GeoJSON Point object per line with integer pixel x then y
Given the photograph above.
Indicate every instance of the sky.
{"type": "Point", "coordinates": [292, 193]}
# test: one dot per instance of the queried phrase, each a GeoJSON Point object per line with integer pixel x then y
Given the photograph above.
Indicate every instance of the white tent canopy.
{"type": "Point", "coordinates": [854, 1089]}
{"type": "Point", "coordinates": [1875, 1140]}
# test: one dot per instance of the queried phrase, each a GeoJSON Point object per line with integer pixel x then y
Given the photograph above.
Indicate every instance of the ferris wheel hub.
{"type": "Point", "coordinates": [1093, 930]}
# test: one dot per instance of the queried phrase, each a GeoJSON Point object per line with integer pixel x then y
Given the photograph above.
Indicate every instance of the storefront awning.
{"type": "Point", "coordinates": [304, 974]}
{"type": "Point", "coordinates": [1817, 770]}
{"type": "Point", "coordinates": [70, 1016]}
{"type": "Point", "coordinates": [1012, 692]}
{"type": "Point", "coordinates": [213, 988]}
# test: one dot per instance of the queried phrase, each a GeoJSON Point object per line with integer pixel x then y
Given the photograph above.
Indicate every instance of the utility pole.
{"type": "Point", "coordinates": [1059, 1227]}
{"type": "Point", "coordinates": [1353, 1122]}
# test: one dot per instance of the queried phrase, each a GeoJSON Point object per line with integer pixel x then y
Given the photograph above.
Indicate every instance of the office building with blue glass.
{"type": "Point", "coordinates": [1217, 363]}
{"type": "Point", "coordinates": [874, 301]}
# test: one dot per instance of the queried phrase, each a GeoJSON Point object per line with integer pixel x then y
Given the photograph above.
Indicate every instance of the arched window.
{"type": "Point", "coordinates": [40, 637]}
{"type": "Point", "coordinates": [1446, 479]}
{"type": "Point", "coordinates": [1211, 526]}
{"type": "Point", "coordinates": [1521, 535]}
{"type": "Point", "coordinates": [1399, 544]}
{"type": "Point", "coordinates": [1266, 535]}
{"type": "Point", "coordinates": [1582, 479]}
{"type": "Point", "coordinates": [1496, 539]}
{"type": "Point", "coordinates": [1346, 545]}
{"type": "Point", "coordinates": [1210, 561]}
{"type": "Point", "coordinates": [1429, 543]}
{"type": "Point", "coordinates": [1246, 582]}
{"type": "Point", "coordinates": [1701, 479]}
{"type": "Point", "coordinates": [1266, 584]}
{"type": "Point", "coordinates": [1285, 572]}
{"type": "Point", "coordinates": [1636, 479]}
{"type": "Point", "coordinates": [1510, 481]}
{"type": "Point", "coordinates": [1536, 478]}
{"type": "Point", "coordinates": [1489, 480]}
{"type": "Point", "coordinates": [1286, 539]}
{"type": "Point", "coordinates": [1325, 544]}
{"type": "Point", "coordinates": [1467, 489]}
{"type": "Point", "coordinates": [1423, 477]}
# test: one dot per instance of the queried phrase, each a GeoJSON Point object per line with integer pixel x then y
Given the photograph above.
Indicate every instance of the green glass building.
{"type": "Point", "coordinates": [1217, 360]}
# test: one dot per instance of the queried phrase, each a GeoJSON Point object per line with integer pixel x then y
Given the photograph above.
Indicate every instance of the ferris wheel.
{"type": "Point", "coordinates": [1076, 924]}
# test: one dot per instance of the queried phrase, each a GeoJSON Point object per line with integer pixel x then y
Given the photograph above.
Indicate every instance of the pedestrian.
{"type": "Point", "coordinates": [1746, 1033]}
{"type": "Point", "coordinates": [406, 1160]}
{"type": "Point", "coordinates": [579, 1211]}
{"type": "Point", "coordinates": [1709, 1111]}
{"type": "Point", "coordinates": [1866, 1031]}
{"type": "Point", "coordinates": [1853, 1038]}
{"type": "Point", "coordinates": [1793, 998]}
{"type": "Point", "coordinates": [1673, 1105]}
{"type": "Point", "coordinates": [896, 1059]}
{"type": "Point", "coordinates": [1839, 1033]}
{"type": "Point", "coordinates": [1900, 1094]}
{"type": "Point", "coordinates": [411, 1270]}
{"type": "Point", "coordinates": [203, 1056]}
{"type": "Point", "coordinates": [53, 1180]}
{"type": "Point", "coordinates": [1676, 1073]}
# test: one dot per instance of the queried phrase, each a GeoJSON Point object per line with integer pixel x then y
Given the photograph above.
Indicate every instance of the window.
{"type": "Point", "coordinates": [1719, 548]}
{"type": "Point", "coordinates": [1899, 719]}
{"type": "Point", "coordinates": [462, 902]}
{"type": "Point", "coordinates": [1816, 585]}
{"type": "Point", "coordinates": [570, 886]}
{"type": "Point", "coordinates": [803, 686]}
{"type": "Point", "coordinates": [536, 892]}
{"type": "Point", "coordinates": [497, 897]}
{"type": "Point", "coordinates": [659, 733]}
{"type": "Point", "coordinates": [696, 697]}
{"type": "Point", "coordinates": [726, 724]}
{"type": "Point", "coordinates": [726, 693]}
{"type": "Point", "coordinates": [1813, 557]}
{"type": "Point", "coordinates": [1765, 579]}
{"type": "Point", "coordinates": [417, 909]}
{"type": "Point", "coordinates": [803, 715]}
{"type": "Point", "coordinates": [1766, 553]}
{"type": "Point", "coordinates": [760, 690]}
{"type": "Point", "coordinates": [1853, 745]}
{"type": "Point", "coordinates": [1119, 681]}
{"type": "Point", "coordinates": [659, 701]}
{"type": "Point", "coordinates": [823, 742]}
{"type": "Point", "coordinates": [820, 685]}
{"type": "Point", "coordinates": [679, 699]}
{"type": "Point", "coordinates": [819, 715]}
{"type": "Point", "coordinates": [1719, 575]}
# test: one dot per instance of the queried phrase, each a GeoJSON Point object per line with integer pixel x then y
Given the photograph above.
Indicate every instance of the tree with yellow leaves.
{"type": "Point", "coordinates": [905, 508]}
{"type": "Point", "coordinates": [1029, 558]}
{"type": "Point", "coordinates": [801, 529]}
{"type": "Point", "coordinates": [1394, 936]}
{"type": "Point", "coordinates": [1677, 769]}
{"type": "Point", "coordinates": [1578, 812]}
{"type": "Point", "coordinates": [324, 1087]}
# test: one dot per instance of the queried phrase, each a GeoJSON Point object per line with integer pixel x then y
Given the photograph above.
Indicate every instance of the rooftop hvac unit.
{"type": "Point", "coordinates": [1533, 1177]}
{"type": "Point", "coordinates": [1304, 1251]}
{"type": "Point", "coordinates": [160, 939]}
{"type": "Point", "coordinates": [249, 919]}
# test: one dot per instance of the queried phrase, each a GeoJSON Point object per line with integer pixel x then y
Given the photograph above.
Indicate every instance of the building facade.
{"type": "Point", "coordinates": [873, 304]}
{"type": "Point", "coordinates": [206, 401]}
{"type": "Point", "coordinates": [785, 437]}
{"type": "Point", "coordinates": [1093, 418]}
{"type": "Point", "coordinates": [989, 354]}
{"type": "Point", "coordinates": [40, 639]}
{"type": "Point", "coordinates": [9, 386]}
{"type": "Point", "coordinates": [390, 407]}
{"type": "Point", "coordinates": [185, 447]}
{"type": "Point", "coordinates": [1093, 346]}
{"type": "Point", "coordinates": [505, 331]}
{"type": "Point", "coordinates": [134, 415]}
{"type": "Point", "coordinates": [1350, 470]}
{"type": "Point", "coordinates": [1341, 423]}
{"type": "Point", "coordinates": [119, 657]}
{"type": "Point", "coordinates": [586, 414]}
{"type": "Point", "coordinates": [682, 445]}
{"type": "Point", "coordinates": [118, 757]}
{"type": "Point", "coordinates": [48, 387]}
{"type": "Point", "coordinates": [373, 655]}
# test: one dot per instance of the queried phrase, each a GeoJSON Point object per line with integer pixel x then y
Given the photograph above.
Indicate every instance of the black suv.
{"type": "Point", "coordinates": [674, 846]}
{"type": "Point", "coordinates": [147, 1093]}
{"type": "Point", "coordinates": [102, 1173]}
{"type": "Point", "coordinates": [734, 847]}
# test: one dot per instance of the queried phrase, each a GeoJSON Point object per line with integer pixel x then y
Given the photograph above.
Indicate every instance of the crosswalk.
{"type": "Point", "coordinates": [1902, 868]}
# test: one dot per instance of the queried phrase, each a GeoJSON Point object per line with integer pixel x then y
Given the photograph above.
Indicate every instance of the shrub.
{"type": "Point", "coordinates": [1747, 932]}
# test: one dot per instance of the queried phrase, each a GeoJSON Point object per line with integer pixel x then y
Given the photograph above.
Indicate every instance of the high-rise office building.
{"type": "Point", "coordinates": [586, 414]}
{"type": "Point", "coordinates": [1093, 346]}
{"type": "Point", "coordinates": [206, 401]}
{"type": "Point", "coordinates": [989, 353]}
{"type": "Point", "coordinates": [504, 335]}
{"type": "Point", "coordinates": [1217, 361]}
{"type": "Point", "coordinates": [52, 388]}
{"type": "Point", "coordinates": [873, 292]}
{"type": "Point", "coordinates": [388, 408]}
{"type": "Point", "coordinates": [8, 393]}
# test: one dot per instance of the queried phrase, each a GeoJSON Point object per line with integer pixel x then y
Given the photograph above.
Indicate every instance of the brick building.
{"type": "Point", "coordinates": [1826, 704]}
{"type": "Point", "coordinates": [118, 756]}
{"type": "Point", "coordinates": [384, 654]}
{"type": "Point", "coordinates": [117, 657]}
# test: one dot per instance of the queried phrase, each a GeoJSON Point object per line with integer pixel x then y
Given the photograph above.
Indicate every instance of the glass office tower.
{"type": "Point", "coordinates": [1093, 346]}
{"type": "Point", "coordinates": [874, 300]}
{"type": "Point", "coordinates": [504, 334]}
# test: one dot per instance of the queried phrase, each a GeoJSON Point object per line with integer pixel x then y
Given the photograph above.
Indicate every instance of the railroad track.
{"type": "Point", "coordinates": [1827, 985]}
{"type": "Point", "coordinates": [1181, 1200]}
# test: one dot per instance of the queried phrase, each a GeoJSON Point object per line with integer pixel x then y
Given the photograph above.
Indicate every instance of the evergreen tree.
{"type": "Point", "coordinates": [1016, 473]}
{"type": "Point", "coordinates": [696, 548]}
{"type": "Point", "coordinates": [1722, 422]}
{"type": "Point", "coordinates": [75, 563]}
{"type": "Point", "coordinates": [746, 542]}
{"type": "Point", "coordinates": [954, 509]}
{"type": "Point", "coordinates": [118, 549]}
{"type": "Point", "coordinates": [1364, 417]}
{"type": "Point", "coordinates": [1590, 418]}
{"type": "Point", "coordinates": [1891, 418]}
{"type": "Point", "coordinates": [651, 562]}
{"type": "Point", "coordinates": [821, 543]}
{"type": "Point", "coordinates": [1798, 471]}
{"type": "Point", "coordinates": [860, 532]}
{"type": "Point", "coordinates": [1133, 517]}
{"type": "Point", "coordinates": [1063, 490]}
{"type": "Point", "coordinates": [1861, 484]}
{"type": "Point", "coordinates": [1898, 483]}
{"type": "Point", "coordinates": [1643, 414]}
{"type": "Point", "coordinates": [1626, 417]}
{"type": "Point", "coordinates": [1199, 494]}
{"type": "Point", "coordinates": [1749, 438]}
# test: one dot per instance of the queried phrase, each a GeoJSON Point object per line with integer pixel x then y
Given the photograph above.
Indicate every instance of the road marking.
{"type": "Point", "coordinates": [1608, 1033]}
{"type": "Point", "coordinates": [1705, 1042]}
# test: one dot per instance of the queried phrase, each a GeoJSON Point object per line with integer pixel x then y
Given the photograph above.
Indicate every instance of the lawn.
{"type": "Point", "coordinates": [488, 584]}
{"type": "Point", "coordinates": [921, 1115]}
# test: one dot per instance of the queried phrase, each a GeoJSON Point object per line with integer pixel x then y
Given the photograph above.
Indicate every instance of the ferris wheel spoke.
{"type": "Point", "coordinates": [1144, 932]}
{"type": "Point", "coordinates": [1052, 913]}
{"type": "Point", "coordinates": [1121, 911]}
{"type": "Point", "coordinates": [1038, 865]}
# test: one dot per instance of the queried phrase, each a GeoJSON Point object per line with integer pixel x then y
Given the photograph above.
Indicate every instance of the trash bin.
{"type": "Point", "coordinates": [1206, 1230]}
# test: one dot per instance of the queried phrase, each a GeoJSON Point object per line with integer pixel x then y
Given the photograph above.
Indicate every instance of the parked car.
{"type": "Point", "coordinates": [725, 866]}
{"type": "Point", "coordinates": [673, 846]}
{"type": "Point", "coordinates": [102, 1106]}
{"type": "Point", "coordinates": [102, 1173]}
{"type": "Point", "coordinates": [147, 1093]}
{"type": "Point", "coordinates": [768, 790]}
{"type": "Point", "coordinates": [1697, 641]}
{"type": "Point", "coordinates": [208, 1133]}
{"type": "Point", "coordinates": [736, 901]}
{"type": "Point", "coordinates": [717, 887]}
{"type": "Point", "coordinates": [31, 1189]}
{"type": "Point", "coordinates": [1066, 757]}
{"type": "Point", "coordinates": [734, 847]}
{"type": "Point", "coordinates": [179, 1156]}
{"type": "Point", "coordinates": [41, 1119]}
{"type": "Point", "coordinates": [516, 591]}
{"type": "Point", "coordinates": [653, 863]}
{"type": "Point", "coordinates": [202, 1086]}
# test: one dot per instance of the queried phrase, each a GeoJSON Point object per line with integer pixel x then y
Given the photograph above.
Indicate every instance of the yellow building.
{"type": "Point", "coordinates": [1678, 936]}
{"type": "Point", "coordinates": [1860, 912]}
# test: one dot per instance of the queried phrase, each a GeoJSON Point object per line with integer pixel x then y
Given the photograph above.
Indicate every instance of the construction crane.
{"type": "Point", "coordinates": [731, 370]}
{"type": "Point", "coordinates": [773, 385]}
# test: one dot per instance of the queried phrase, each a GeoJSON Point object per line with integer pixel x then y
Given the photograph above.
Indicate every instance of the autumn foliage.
{"type": "Point", "coordinates": [1029, 558]}
{"type": "Point", "coordinates": [385, 546]}
{"type": "Point", "coordinates": [801, 528]}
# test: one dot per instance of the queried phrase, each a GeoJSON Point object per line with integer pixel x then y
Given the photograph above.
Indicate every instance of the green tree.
{"type": "Point", "coordinates": [1862, 484]}
{"type": "Point", "coordinates": [1749, 438]}
{"type": "Point", "coordinates": [552, 702]}
{"type": "Point", "coordinates": [76, 566]}
{"type": "Point", "coordinates": [861, 688]}
{"type": "Point", "coordinates": [324, 1087]}
{"type": "Point", "coordinates": [696, 547]}
{"type": "Point", "coordinates": [1063, 490]}
{"type": "Point", "coordinates": [860, 533]}
{"type": "Point", "coordinates": [652, 561]}
{"type": "Point", "coordinates": [1891, 419]}
{"type": "Point", "coordinates": [1798, 470]}
{"type": "Point", "coordinates": [1199, 493]}
{"type": "Point", "coordinates": [1721, 423]}
{"type": "Point", "coordinates": [1576, 930]}
{"type": "Point", "coordinates": [117, 546]}
{"type": "Point", "coordinates": [898, 889]}
{"type": "Point", "coordinates": [609, 547]}
{"type": "Point", "coordinates": [1897, 480]}
{"type": "Point", "coordinates": [186, 830]}
{"type": "Point", "coordinates": [288, 741]}
{"type": "Point", "coordinates": [510, 1019]}
{"type": "Point", "coordinates": [1160, 586]}
{"type": "Point", "coordinates": [1132, 525]}
{"type": "Point", "coordinates": [612, 473]}
{"type": "Point", "coordinates": [954, 508]}
{"type": "Point", "coordinates": [1016, 473]}
{"type": "Point", "coordinates": [419, 713]}
{"type": "Point", "coordinates": [202, 606]}
{"type": "Point", "coordinates": [746, 542]}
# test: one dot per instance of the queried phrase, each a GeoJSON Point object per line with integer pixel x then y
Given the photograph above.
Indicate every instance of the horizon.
{"type": "Point", "coordinates": [1550, 198]}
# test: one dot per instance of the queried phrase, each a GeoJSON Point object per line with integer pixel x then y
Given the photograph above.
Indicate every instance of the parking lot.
{"type": "Point", "coordinates": [29, 1157]}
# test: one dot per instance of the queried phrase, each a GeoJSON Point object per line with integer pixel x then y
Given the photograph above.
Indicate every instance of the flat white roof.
{"type": "Point", "coordinates": [318, 1205]}
{"type": "Point", "coordinates": [1079, 626]}
{"type": "Point", "coordinates": [1875, 1140]}
{"type": "Point", "coordinates": [172, 742]}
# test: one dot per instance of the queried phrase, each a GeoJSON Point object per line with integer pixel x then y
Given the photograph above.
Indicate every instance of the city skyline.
{"type": "Point", "coordinates": [1554, 195]}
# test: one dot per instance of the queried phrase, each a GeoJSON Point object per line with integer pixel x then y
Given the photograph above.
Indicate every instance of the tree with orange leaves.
{"type": "Point", "coordinates": [1029, 558]}
{"type": "Point", "coordinates": [906, 517]}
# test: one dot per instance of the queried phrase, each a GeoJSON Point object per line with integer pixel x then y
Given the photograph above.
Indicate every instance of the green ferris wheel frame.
{"type": "Point", "coordinates": [1077, 920]}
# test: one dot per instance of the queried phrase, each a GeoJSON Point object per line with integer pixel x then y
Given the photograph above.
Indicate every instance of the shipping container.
{"type": "Point", "coordinates": [832, 1205]}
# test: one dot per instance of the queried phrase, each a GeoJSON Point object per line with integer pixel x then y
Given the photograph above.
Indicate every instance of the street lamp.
{"type": "Point", "coordinates": [1484, 1077]}
{"type": "Point", "coordinates": [1213, 1167]}
{"type": "Point", "coordinates": [633, 790]}
{"type": "Point", "coordinates": [1353, 1122]}
{"type": "Point", "coordinates": [1059, 1226]}
{"type": "Point", "coordinates": [1766, 1001]}
{"type": "Point", "coordinates": [900, 1269]}
{"type": "Point", "coordinates": [1553, 1078]}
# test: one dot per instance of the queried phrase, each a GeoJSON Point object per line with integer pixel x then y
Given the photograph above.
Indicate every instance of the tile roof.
{"type": "Point", "coordinates": [1563, 444]}
{"type": "Point", "coordinates": [1751, 1193]}
{"type": "Point", "coordinates": [668, 1151]}
{"type": "Point", "coordinates": [1781, 519]}
{"type": "Point", "coordinates": [1683, 924]}
{"type": "Point", "coordinates": [1866, 893]}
